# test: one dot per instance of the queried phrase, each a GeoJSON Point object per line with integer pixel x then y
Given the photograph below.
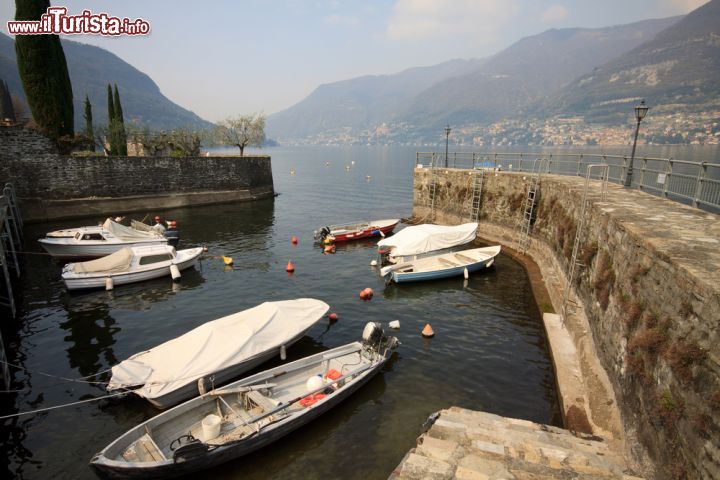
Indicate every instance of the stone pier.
{"type": "Point", "coordinates": [636, 355]}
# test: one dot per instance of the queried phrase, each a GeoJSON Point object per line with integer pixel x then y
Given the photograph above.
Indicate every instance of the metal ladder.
{"type": "Point", "coordinates": [478, 181]}
{"type": "Point", "coordinates": [528, 207]}
{"type": "Point", "coordinates": [7, 299]}
{"type": "Point", "coordinates": [574, 264]}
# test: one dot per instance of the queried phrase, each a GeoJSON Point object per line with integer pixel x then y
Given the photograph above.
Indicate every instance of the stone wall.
{"type": "Point", "coordinates": [649, 286]}
{"type": "Point", "coordinates": [50, 185]}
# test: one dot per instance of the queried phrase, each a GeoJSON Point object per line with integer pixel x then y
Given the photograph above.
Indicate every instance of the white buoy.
{"type": "Point", "coordinates": [314, 383]}
{"type": "Point", "coordinates": [373, 263]}
{"type": "Point", "coordinates": [174, 272]}
{"type": "Point", "coordinates": [395, 324]}
{"type": "Point", "coordinates": [109, 285]}
{"type": "Point", "coordinates": [466, 274]}
{"type": "Point", "coordinates": [283, 352]}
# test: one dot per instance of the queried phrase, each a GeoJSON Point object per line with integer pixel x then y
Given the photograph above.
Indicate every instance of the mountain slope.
{"type": "Point", "coordinates": [91, 69]}
{"type": "Point", "coordinates": [360, 102]}
{"type": "Point", "coordinates": [680, 68]}
{"type": "Point", "coordinates": [510, 82]}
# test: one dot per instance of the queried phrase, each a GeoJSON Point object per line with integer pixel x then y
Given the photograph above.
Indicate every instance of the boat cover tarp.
{"type": "Point", "coordinates": [115, 262]}
{"type": "Point", "coordinates": [427, 238]}
{"type": "Point", "coordinates": [216, 345]}
{"type": "Point", "coordinates": [143, 227]}
{"type": "Point", "coordinates": [127, 233]}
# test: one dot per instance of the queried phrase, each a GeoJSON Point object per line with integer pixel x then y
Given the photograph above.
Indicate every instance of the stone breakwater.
{"type": "Point", "coordinates": [644, 321]}
{"type": "Point", "coordinates": [51, 186]}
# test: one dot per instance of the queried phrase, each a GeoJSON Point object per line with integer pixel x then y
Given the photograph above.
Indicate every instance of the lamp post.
{"type": "Point", "coordinates": [447, 139]}
{"type": "Point", "coordinates": [640, 112]}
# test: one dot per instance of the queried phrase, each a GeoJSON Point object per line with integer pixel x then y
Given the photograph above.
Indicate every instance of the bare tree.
{"type": "Point", "coordinates": [242, 131]}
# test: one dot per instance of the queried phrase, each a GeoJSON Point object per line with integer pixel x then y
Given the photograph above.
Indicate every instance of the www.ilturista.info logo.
{"type": "Point", "coordinates": [56, 21]}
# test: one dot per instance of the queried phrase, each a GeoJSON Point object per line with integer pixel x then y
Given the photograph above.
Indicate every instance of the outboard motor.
{"type": "Point", "coordinates": [373, 337]}
{"type": "Point", "coordinates": [172, 233]}
{"type": "Point", "coordinates": [321, 234]}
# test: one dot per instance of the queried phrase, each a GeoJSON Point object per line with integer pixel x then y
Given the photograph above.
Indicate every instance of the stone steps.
{"type": "Point", "coordinates": [471, 445]}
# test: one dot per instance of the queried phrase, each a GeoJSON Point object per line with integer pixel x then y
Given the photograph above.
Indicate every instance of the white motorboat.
{"type": "Point", "coordinates": [233, 421]}
{"type": "Point", "coordinates": [216, 351]}
{"type": "Point", "coordinates": [98, 241]}
{"type": "Point", "coordinates": [418, 241]}
{"type": "Point", "coordinates": [129, 265]}
{"type": "Point", "coordinates": [445, 265]}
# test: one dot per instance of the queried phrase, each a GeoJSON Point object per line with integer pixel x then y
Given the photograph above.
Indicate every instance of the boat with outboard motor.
{"type": "Point", "coordinates": [229, 422]}
{"type": "Point", "coordinates": [356, 230]}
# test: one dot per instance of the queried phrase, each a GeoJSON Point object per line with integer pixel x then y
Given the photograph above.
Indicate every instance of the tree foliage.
{"type": "Point", "coordinates": [242, 131]}
{"type": "Point", "coordinates": [181, 142]}
{"type": "Point", "coordinates": [7, 111]}
{"type": "Point", "coordinates": [116, 135]}
{"type": "Point", "coordinates": [122, 136]}
{"type": "Point", "coordinates": [89, 133]}
{"type": "Point", "coordinates": [44, 74]}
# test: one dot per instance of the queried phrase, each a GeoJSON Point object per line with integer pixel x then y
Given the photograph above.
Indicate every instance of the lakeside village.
{"type": "Point", "coordinates": [690, 128]}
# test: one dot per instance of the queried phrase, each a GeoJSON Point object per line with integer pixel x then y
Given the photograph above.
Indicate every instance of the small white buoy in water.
{"type": "Point", "coordinates": [283, 352]}
{"type": "Point", "coordinates": [109, 285]}
{"type": "Point", "coordinates": [373, 263]}
{"type": "Point", "coordinates": [175, 272]}
{"type": "Point", "coordinates": [352, 162]}
{"type": "Point", "coordinates": [395, 324]}
{"type": "Point", "coordinates": [313, 383]}
{"type": "Point", "coordinates": [465, 273]}
{"type": "Point", "coordinates": [368, 177]}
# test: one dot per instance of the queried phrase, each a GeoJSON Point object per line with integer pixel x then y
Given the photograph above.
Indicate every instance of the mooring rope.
{"type": "Point", "coordinates": [77, 380]}
{"type": "Point", "coordinates": [55, 407]}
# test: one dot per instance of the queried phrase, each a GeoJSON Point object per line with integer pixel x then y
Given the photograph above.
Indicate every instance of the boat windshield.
{"type": "Point", "coordinates": [148, 259]}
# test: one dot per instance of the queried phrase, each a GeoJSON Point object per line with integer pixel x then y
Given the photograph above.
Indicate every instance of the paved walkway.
{"type": "Point", "coordinates": [468, 445]}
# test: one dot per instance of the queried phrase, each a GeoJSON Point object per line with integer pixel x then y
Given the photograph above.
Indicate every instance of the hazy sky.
{"type": "Point", "coordinates": [222, 57]}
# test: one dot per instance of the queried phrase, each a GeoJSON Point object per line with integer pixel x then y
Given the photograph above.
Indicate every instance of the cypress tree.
{"type": "Point", "coordinates": [43, 70]}
{"type": "Point", "coordinates": [6, 107]}
{"type": "Point", "coordinates": [111, 130]}
{"type": "Point", "coordinates": [89, 132]}
{"type": "Point", "coordinates": [121, 135]}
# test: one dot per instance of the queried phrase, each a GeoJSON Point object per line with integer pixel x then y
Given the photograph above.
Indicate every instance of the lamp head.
{"type": "Point", "coordinates": [641, 110]}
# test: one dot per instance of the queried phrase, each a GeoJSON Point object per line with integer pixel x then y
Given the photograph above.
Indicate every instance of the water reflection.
{"type": "Point", "coordinates": [91, 333]}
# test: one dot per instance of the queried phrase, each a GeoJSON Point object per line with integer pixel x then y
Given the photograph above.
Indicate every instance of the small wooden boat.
{"type": "Point", "coordinates": [246, 415]}
{"type": "Point", "coordinates": [216, 351]}
{"type": "Point", "coordinates": [98, 241]}
{"type": "Point", "coordinates": [442, 266]}
{"type": "Point", "coordinates": [412, 243]}
{"type": "Point", "coordinates": [129, 265]}
{"type": "Point", "coordinates": [354, 231]}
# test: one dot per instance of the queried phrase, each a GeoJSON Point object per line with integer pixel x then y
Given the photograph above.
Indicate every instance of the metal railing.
{"type": "Point", "coordinates": [693, 183]}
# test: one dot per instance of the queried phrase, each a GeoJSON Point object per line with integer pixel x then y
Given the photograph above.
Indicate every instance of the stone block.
{"type": "Point", "coordinates": [418, 466]}
{"type": "Point", "coordinates": [477, 467]}
{"type": "Point", "coordinates": [437, 448]}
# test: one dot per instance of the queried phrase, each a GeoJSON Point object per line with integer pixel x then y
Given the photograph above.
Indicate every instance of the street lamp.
{"type": "Point", "coordinates": [640, 112]}
{"type": "Point", "coordinates": [447, 139]}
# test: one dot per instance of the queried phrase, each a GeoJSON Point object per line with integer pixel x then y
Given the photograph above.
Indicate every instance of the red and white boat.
{"type": "Point", "coordinates": [354, 231]}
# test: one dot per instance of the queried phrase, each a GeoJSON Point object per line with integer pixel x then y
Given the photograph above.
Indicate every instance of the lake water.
{"type": "Point", "coordinates": [489, 352]}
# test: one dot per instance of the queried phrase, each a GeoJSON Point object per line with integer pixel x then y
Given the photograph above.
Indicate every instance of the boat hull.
{"type": "Point", "coordinates": [61, 247]}
{"type": "Point", "coordinates": [366, 233]}
{"type": "Point", "coordinates": [443, 266]}
{"type": "Point", "coordinates": [436, 275]}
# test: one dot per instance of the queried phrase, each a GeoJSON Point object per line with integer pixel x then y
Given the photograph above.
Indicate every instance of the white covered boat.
{"type": "Point", "coordinates": [235, 420]}
{"type": "Point", "coordinates": [129, 265]}
{"type": "Point", "coordinates": [98, 241]}
{"type": "Point", "coordinates": [444, 265]}
{"type": "Point", "coordinates": [417, 241]}
{"type": "Point", "coordinates": [216, 351]}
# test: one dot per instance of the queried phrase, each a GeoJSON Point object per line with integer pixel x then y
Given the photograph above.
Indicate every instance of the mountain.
{"type": "Point", "coordinates": [679, 69]}
{"type": "Point", "coordinates": [507, 84]}
{"type": "Point", "coordinates": [91, 69]}
{"type": "Point", "coordinates": [361, 102]}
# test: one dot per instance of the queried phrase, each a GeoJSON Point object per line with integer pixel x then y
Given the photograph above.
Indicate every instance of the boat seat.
{"type": "Point", "coordinates": [465, 258]}
{"type": "Point", "coordinates": [449, 263]}
{"type": "Point", "coordinates": [265, 403]}
{"type": "Point", "coordinates": [144, 449]}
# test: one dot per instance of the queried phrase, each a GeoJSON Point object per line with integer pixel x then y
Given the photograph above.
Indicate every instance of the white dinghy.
{"type": "Point", "coordinates": [216, 351]}
{"type": "Point", "coordinates": [445, 265]}
{"type": "Point", "coordinates": [98, 241]}
{"type": "Point", "coordinates": [246, 415]}
{"type": "Point", "coordinates": [129, 265]}
{"type": "Point", "coordinates": [417, 241]}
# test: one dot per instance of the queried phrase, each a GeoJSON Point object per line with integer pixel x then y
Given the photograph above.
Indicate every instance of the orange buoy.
{"type": "Point", "coordinates": [294, 240]}
{"type": "Point", "coordinates": [333, 317]}
{"type": "Point", "coordinates": [427, 331]}
{"type": "Point", "coordinates": [329, 249]}
{"type": "Point", "coordinates": [369, 293]}
{"type": "Point", "coordinates": [363, 294]}
{"type": "Point", "coordinates": [290, 267]}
